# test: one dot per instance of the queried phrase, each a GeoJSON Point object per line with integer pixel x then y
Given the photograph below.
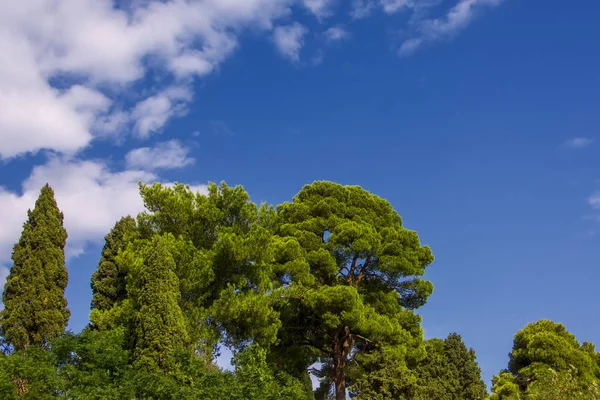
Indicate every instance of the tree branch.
{"type": "Point", "coordinates": [350, 277]}
{"type": "Point", "coordinates": [361, 273]}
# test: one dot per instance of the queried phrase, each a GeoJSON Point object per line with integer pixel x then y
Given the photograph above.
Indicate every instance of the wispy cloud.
{"type": "Point", "coordinates": [361, 8]}
{"type": "Point", "coordinates": [165, 155]}
{"type": "Point", "coordinates": [320, 8]}
{"type": "Point", "coordinates": [392, 6]}
{"type": "Point", "coordinates": [456, 19]}
{"type": "Point", "coordinates": [221, 128]}
{"type": "Point", "coordinates": [336, 33]}
{"type": "Point", "coordinates": [289, 40]}
{"type": "Point", "coordinates": [578, 142]}
{"type": "Point", "coordinates": [594, 200]}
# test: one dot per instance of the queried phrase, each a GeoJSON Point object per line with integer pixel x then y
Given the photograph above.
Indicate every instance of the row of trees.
{"type": "Point", "coordinates": [324, 285]}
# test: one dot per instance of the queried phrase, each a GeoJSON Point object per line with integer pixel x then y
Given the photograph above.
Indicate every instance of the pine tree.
{"type": "Point", "coordinates": [34, 294]}
{"type": "Point", "coordinates": [160, 327]}
{"type": "Point", "coordinates": [108, 282]}
{"type": "Point", "coordinates": [350, 278]}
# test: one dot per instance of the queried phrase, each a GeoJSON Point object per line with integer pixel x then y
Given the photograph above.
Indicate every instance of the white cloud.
{"type": "Point", "coordinates": [48, 47]}
{"type": "Point", "coordinates": [336, 33]}
{"type": "Point", "coordinates": [289, 40]}
{"type": "Point", "coordinates": [361, 8]}
{"type": "Point", "coordinates": [91, 196]}
{"type": "Point", "coordinates": [392, 6]}
{"type": "Point", "coordinates": [67, 65]}
{"type": "Point", "coordinates": [456, 19]}
{"type": "Point", "coordinates": [164, 155]}
{"type": "Point", "coordinates": [151, 114]}
{"type": "Point", "coordinates": [364, 8]}
{"type": "Point", "coordinates": [578, 143]}
{"type": "Point", "coordinates": [410, 46]}
{"type": "Point", "coordinates": [320, 8]}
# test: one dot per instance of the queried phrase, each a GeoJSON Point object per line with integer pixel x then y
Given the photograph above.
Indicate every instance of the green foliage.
{"type": "Point", "coordinates": [108, 282]}
{"type": "Point", "coordinates": [504, 387]}
{"type": "Point", "coordinates": [35, 306]}
{"type": "Point", "coordinates": [450, 371]}
{"type": "Point", "coordinates": [438, 376]}
{"type": "Point", "coordinates": [94, 365]}
{"type": "Point", "coordinates": [550, 385]}
{"type": "Point", "coordinates": [222, 244]}
{"type": "Point", "coordinates": [330, 279]}
{"type": "Point", "coordinates": [547, 362]}
{"type": "Point", "coordinates": [550, 344]}
{"type": "Point", "coordinates": [160, 325]}
{"type": "Point", "coordinates": [348, 272]}
{"type": "Point", "coordinates": [258, 381]}
{"type": "Point", "coordinates": [470, 385]}
{"type": "Point", "coordinates": [29, 374]}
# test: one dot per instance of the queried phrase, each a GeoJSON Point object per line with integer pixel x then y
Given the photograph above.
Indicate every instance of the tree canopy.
{"type": "Point", "coordinates": [349, 274]}
{"type": "Point", "coordinates": [323, 287]}
{"type": "Point", "coordinates": [35, 307]}
{"type": "Point", "coordinates": [547, 362]}
{"type": "Point", "coordinates": [449, 372]}
{"type": "Point", "coordinates": [108, 282]}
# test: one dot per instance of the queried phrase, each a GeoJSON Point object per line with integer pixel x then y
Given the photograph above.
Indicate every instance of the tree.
{"type": "Point", "coordinates": [470, 384]}
{"type": "Point", "coordinates": [35, 306]}
{"type": "Point", "coordinates": [553, 385]}
{"type": "Point", "coordinates": [160, 326]}
{"type": "Point", "coordinates": [108, 282]}
{"type": "Point", "coordinates": [222, 247]}
{"type": "Point", "coordinates": [547, 361]}
{"type": "Point", "coordinates": [348, 275]}
{"type": "Point", "coordinates": [437, 377]}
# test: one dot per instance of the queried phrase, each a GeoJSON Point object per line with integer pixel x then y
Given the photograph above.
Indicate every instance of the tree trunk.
{"type": "Point", "coordinates": [340, 384]}
{"type": "Point", "coordinates": [339, 364]}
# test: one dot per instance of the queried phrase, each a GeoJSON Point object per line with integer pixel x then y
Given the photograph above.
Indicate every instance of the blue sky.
{"type": "Point", "coordinates": [477, 119]}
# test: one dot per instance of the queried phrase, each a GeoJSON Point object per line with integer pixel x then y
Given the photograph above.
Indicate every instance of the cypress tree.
{"type": "Point", "coordinates": [34, 294]}
{"type": "Point", "coordinates": [160, 327]}
{"type": "Point", "coordinates": [465, 362]}
{"type": "Point", "coordinates": [449, 372]}
{"type": "Point", "coordinates": [108, 282]}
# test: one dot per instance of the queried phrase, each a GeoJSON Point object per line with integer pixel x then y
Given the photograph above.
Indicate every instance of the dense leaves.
{"type": "Point", "coordinates": [35, 308]}
{"type": "Point", "coordinates": [547, 362]}
{"type": "Point", "coordinates": [108, 282]}
{"type": "Point", "coordinates": [324, 285]}
{"type": "Point", "coordinates": [350, 272]}
{"type": "Point", "coordinates": [160, 327]}
{"type": "Point", "coordinates": [450, 371]}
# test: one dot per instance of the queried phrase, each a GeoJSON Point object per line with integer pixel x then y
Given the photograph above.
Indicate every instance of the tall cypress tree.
{"type": "Point", "coordinates": [449, 372]}
{"type": "Point", "coordinates": [108, 282]}
{"type": "Point", "coordinates": [465, 361]}
{"type": "Point", "coordinates": [160, 324]}
{"type": "Point", "coordinates": [34, 294]}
